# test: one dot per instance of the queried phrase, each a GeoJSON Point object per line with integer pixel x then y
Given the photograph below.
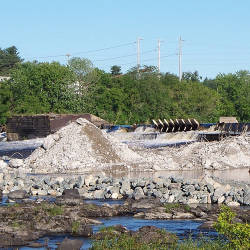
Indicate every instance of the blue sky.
{"type": "Point", "coordinates": [216, 32]}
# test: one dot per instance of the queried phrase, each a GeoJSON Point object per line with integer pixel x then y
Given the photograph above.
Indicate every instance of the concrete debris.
{"type": "Point", "coordinates": [231, 152]}
{"type": "Point", "coordinates": [82, 147]}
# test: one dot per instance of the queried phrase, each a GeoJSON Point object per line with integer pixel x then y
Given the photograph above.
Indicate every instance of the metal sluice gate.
{"type": "Point", "coordinates": [175, 125]}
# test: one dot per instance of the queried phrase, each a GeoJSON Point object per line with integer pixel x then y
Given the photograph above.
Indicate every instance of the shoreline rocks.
{"type": "Point", "coordinates": [167, 189]}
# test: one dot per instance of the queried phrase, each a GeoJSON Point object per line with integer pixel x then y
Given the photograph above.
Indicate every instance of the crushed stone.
{"type": "Point", "coordinates": [82, 147]}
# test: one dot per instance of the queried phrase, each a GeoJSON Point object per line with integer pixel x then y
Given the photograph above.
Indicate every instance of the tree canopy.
{"type": "Point", "coordinates": [9, 57]}
{"type": "Point", "coordinates": [79, 87]}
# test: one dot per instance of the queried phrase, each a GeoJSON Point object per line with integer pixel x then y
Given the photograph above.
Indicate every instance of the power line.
{"type": "Point", "coordinates": [111, 58]}
{"type": "Point", "coordinates": [86, 52]}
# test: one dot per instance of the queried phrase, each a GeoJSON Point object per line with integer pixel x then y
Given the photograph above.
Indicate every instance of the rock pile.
{"type": "Point", "coordinates": [231, 152]}
{"type": "Point", "coordinates": [82, 147]}
{"type": "Point", "coordinates": [78, 147]}
{"type": "Point", "coordinates": [166, 189]}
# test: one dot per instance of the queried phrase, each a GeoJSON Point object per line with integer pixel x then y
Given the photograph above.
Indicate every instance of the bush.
{"type": "Point", "coordinates": [238, 234]}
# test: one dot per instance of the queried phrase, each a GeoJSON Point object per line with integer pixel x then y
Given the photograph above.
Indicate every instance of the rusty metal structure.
{"type": "Point", "coordinates": [176, 125]}
{"type": "Point", "coordinates": [22, 127]}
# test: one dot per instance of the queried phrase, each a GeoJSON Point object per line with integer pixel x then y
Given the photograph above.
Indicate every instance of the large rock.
{"type": "Point", "coordinates": [158, 216]}
{"type": "Point", "coordinates": [1, 194]}
{"type": "Point", "coordinates": [68, 244]}
{"type": "Point", "coordinates": [246, 199]}
{"type": "Point", "coordinates": [3, 164]}
{"type": "Point", "coordinates": [138, 193]}
{"type": "Point", "coordinates": [98, 194]}
{"type": "Point", "coordinates": [18, 194]}
{"type": "Point", "coordinates": [69, 197]}
{"type": "Point", "coordinates": [16, 163]}
{"type": "Point", "coordinates": [71, 193]}
{"type": "Point", "coordinates": [180, 215]}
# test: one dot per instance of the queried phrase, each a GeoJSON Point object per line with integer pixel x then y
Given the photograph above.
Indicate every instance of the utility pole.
{"type": "Point", "coordinates": [138, 54]}
{"type": "Point", "coordinates": [159, 56]}
{"type": "Point", "coordinates": [180, 58]}
{"type": "Point", "coordinates": [68, 56]}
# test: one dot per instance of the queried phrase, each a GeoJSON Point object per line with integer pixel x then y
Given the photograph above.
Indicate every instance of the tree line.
{"type": "Point", "coordinates": [79, 87]}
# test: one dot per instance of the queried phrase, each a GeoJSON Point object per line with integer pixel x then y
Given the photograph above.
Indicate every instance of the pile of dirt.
{"type": "Point", "coordinates": [79, 147]}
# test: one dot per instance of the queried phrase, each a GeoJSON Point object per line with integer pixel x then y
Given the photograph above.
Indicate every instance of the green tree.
{"type": "Point", "coordinates": [9, 57]}
{"type": "Point", "coordinates": [234, 90]}
{"type": "Point", "coordinates": [238, 234]}
{"type": "Point", "coordinates": [85, 72]}
{"type": "Point", "coordinates": [5, 101]}
{"type": "Point", "coordinates": [42, 88]}
{"type": "Point", "coordinates": [115, 70]}
{"type": "Point", "coordinates": [191, 76]}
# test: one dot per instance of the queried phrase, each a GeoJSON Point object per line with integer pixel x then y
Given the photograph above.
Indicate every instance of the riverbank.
{"type": "Point", "coordinates": [25, 222]}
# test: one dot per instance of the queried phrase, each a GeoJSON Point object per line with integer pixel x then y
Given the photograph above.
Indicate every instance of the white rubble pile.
{"type": "Point", "coordinates": [79, 147]}
{"type": "Point", "coordinates": [232, 152]}
{"type": "Point", "coordinates": [82, 147]}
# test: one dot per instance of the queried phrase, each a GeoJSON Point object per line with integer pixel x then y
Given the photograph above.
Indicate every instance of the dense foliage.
{"type": "Point", "coordinates": [123, 99]}
{"type": "Point", "coordinates": [237, 234]}
{"type": "Point", "coordinates": [9, 57]}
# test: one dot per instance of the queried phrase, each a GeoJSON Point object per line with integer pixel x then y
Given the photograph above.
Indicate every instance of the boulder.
{"type": "Point", "coordinates": [138, 193]}
{"type": "Point", "coordinates": [3, 164]}
{"type": "Point", "coordinates": [16, 163]}
{"type": "Point", "coordinates": [180, 215]}
{"type": "Point", "coordinates": [18, 194]}
{"type": "Point", "coordinates": [74, 244]}
{"type": "Point", "coordinates": [158, 216]}
{"type": "Point", "coordinates": [233, 204]}
{"type": "Point", "coordinates": [246, 199]}
{"type": "Point", "coordinates": [71, 193]}
{"type": "Point", "coordinates": [98, 194]}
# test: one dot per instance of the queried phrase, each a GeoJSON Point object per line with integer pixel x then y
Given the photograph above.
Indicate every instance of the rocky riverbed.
{"type": "Point", "coordinates": [24, 222]}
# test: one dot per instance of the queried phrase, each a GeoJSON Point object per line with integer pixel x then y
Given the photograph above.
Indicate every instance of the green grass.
{"type": "Point", "coordinates": [127, 242]}
{"type": "Point", "coordinates": [75, 227]}
{"type": "Point", "coordinates": [176, 206]}
{"type": "Point", "coordinates": [54, 211]}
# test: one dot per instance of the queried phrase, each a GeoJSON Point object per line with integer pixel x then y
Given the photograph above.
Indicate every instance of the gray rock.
{"type": "Point", "coordinates": [79, 182]}
{"type": "Point", "coordinates": [71, 193]}
{"type": "Point", "coordinates": [157, 193]}
{"type": "Point", "coordinates": [174, 186]}
{"type": "Point", "coordinates": [158, 182]}
{"type": "Point", "coordinates": [98, 194]}
{"type": "Point", "coordinates": [246, 200]}
{"type": "Point", "coordinates": [74, 244]}
{"type": "Point", "coordinates": [180, 215]}
{"type": "Point", "coordinates": [18, 194]}
{"type": "Point", "coordinates": [125, 187]}
{"type": "Point", "coordinates": [166, 183]}
{"type": "Point", "coordinates": [3, 164]}
{"type": "Point", "coordinates": [210, 188]}
{"type": "Point", "coordinates": [151, 186]}
{"type": "Point", "coordinates": [138, 193]}
{"type": "Point", "coordinates": [157, 216]}
{"type": "Point", "coordinates": [16, 163]}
